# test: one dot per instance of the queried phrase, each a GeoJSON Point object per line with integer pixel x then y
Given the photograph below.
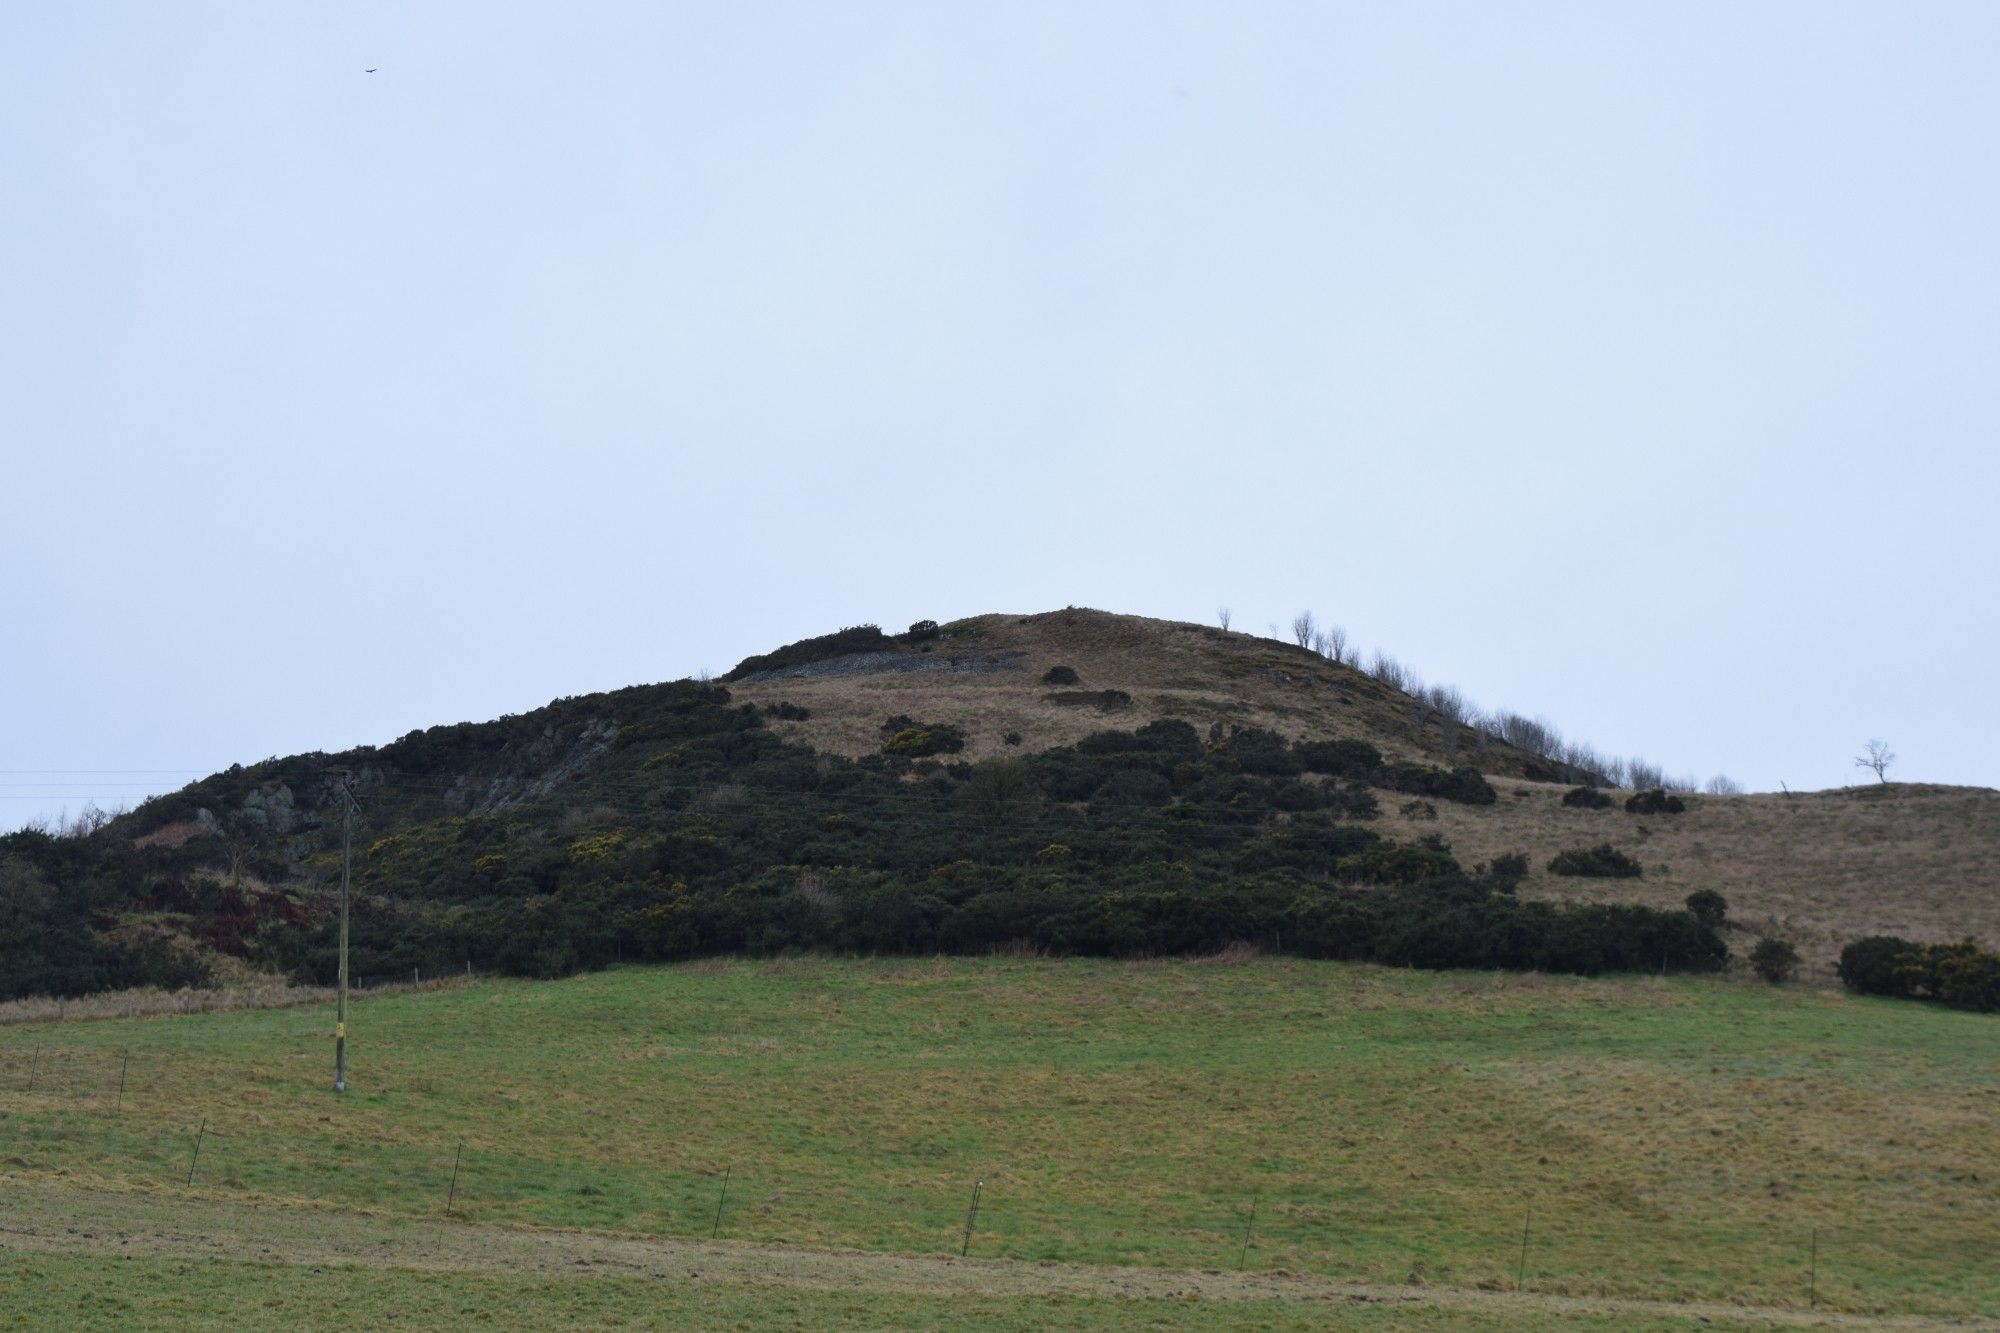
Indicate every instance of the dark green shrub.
{"type": "Point", "coordinates": [1342, 759]}
{"type": "Point", "coordinates": [904, 737]}
{"type": "Point", "coordinates": [1709, 907]}
{"type": "Point", "coordinates": [1133, 786]}
{"type": "Point", "coordinates": [1255, 750]}
{"type": "Point", "coordinates": [1011, 738]}
{"type": "Point", "coordinates": [1001, 791]}
{"type": "Point", "coordinates": [1774, 960]}
{"type": "Point", "coordinates": [1965, 976]}
{"type": "Point", "coordinates": [1316, 847]}
{"type": "Point", "coordinates": [1961, 975]}
{"type": "Point", "coordinates": [1508, 871]}
{"type": "Point", "coordinates": [1332, 926]}
{"type": "Point", "coordinates": [789, 712]}
{"type": "Point", "coordinates": [1169, 737]}
{"type": "Point", "coordinates": [1352, 800]}
{"type": "Point", "coordinates": [1060, 675]}
{"type": "Point", "coordinates": [1600, 862]}
{"type": "Point", "coordinates": [1587, 798]}
{"type": "Point", "coordinates": [922, 630]}
{"type": "Point", "coordinates": [1395, 863]}
{"type": "Point", "coordinates": [1654, 802]}
{"type": "Point", "coordinates": [1467, 786]}
{"type": "Point", "coordinates": [1881, 965]}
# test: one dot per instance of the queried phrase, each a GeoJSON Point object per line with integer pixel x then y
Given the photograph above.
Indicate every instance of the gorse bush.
{"type": "Point", "coordinates": [1347, 759]}
{"type": "Point", "coordinates": [1654, 802]}
{"type": "Point", "coordinates": [1881, 965]}
{"type": "Point", "coordinates": [1709, 907]}
{"type": "Point", "coordinates": [1962, 975]}
{"type": "Point", "coordinates": [1602, 862]}
{"type": "Point", "coordinates": [1060, 675]}
{"type": "Point", "coordinates": [1587, 798]}
{"type": "Point", "coordinates": [1363, 762]}
{"type": "Point", "coordinates": [1774, 960]}
{"type": "Point", "coordinates": [907, 738]}
{"type": "Point", "coordinates": [1464, 785]}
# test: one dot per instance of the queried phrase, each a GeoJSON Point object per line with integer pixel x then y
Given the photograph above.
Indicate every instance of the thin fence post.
{"type": "Point", "coordinates": [200, 1134]}
{"type": "Point", "coordinates": [1521, 1277]}
{"type": "Point", "coordinates": [1812, 1278]}
{"type": "Point", "coordinates": [451, 1197]}
{"type": "Point", "coordinates": [123, 1065]}
{"type": "Point", "coordinates": [34, 1066]}
{"type": "Point", "coordinates": [971, 1216]}
{"type": "Point", "coordinates": [1248, 1232]}
{"type": "Point", "coordinates": [716, 1230]}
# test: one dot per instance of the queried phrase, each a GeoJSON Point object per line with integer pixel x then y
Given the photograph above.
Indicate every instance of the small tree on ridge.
{"type": "Point", "coordinates": [1876, 758]}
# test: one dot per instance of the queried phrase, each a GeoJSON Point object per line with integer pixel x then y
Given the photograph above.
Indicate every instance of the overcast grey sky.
{"type": "Point", "coordinates": [1632, 365]}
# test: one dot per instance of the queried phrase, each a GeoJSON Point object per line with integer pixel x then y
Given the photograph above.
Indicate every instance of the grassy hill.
{"type": "Point", "coordinates": [1673, 1141]}
{"type": "Point", "coordinates": [1076, 781]}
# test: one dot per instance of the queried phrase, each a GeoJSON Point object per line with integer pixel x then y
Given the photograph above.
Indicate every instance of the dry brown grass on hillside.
{"type": "Point", "coordinates": [1171, 669]}
{"type": "Point", "coordinates": [1817, 869]}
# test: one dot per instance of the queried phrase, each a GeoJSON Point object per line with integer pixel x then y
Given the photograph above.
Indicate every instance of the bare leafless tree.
{"type": "Point", "coordinates": [1337, 646]}
{"type": "Point", "coordinates": [1538, 736]}
{"type": "Point", "coordinates": [1877, 759]}
{"type": "Point", "coordinates": [1319, 643]}
{"type": "Point", "coordinates": [1721, 785]}
{"type": "Point", "coordinates": [1448, 703]}
{"type": "Point", "coordinates": [1303, 626]}
{"type": "Point", "coordinates": [1222, 617]}
{"type": "Point", "coordinates": [1389, 671]}
{"type": "Point", "coordinates": [1642, 776]}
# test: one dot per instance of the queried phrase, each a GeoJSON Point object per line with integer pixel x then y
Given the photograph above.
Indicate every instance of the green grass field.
{"type": "Point", "coordinates": [1672, 1140]}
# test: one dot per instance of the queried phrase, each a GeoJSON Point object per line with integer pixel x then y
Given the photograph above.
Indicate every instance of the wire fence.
{"type": "Point", "coordinates": [125, 1113]}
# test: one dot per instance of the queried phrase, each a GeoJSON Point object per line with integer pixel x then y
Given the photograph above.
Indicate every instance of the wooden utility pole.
{"type": "Point", "coordinates": [346, 863]}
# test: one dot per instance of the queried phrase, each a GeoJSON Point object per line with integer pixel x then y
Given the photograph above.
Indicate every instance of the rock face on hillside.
{"type": "Point", "coordinates": [272, 810]}
{"type": "Point", "coordinates": [532, 771]}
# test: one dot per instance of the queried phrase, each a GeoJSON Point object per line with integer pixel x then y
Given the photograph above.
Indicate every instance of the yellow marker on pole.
{"type": "Point", "coordinates": [340, 1029]}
